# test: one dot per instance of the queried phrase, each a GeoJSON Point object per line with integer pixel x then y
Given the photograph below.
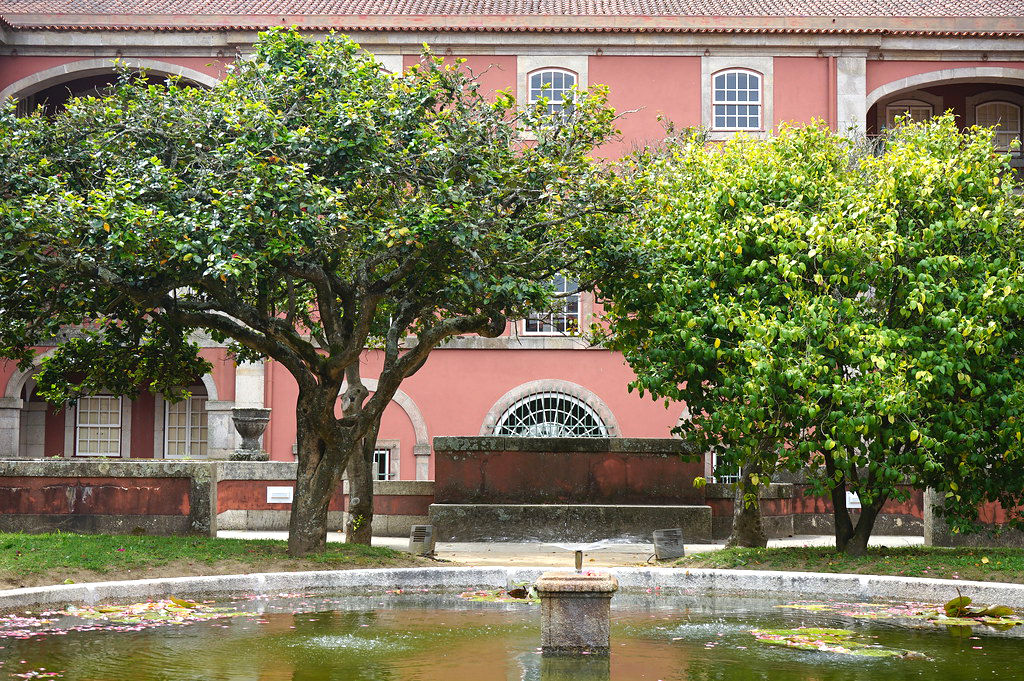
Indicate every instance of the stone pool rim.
{"type": "Point", "coordinates": [671, 581]}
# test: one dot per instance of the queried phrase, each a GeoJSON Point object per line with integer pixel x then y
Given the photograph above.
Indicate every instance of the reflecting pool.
{"type": "Point", "coordinates": [425, 637]}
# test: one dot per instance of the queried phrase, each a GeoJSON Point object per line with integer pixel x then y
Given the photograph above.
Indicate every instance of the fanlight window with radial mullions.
{"type": "Point", "coordinates": [550, 414]}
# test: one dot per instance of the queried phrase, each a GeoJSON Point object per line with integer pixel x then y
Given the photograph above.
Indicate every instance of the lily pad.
{"type": "Point", "coordinates": [838, 641]}
{"type": "Point", "coordinates": [517, 595]}
{"type": "Point", "coordinates": [963, 614]}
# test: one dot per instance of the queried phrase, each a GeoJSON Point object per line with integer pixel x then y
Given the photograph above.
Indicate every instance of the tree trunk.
{"type": "Point", "coordinates": [318, 477]}
{"type": "Point", "coordinates": [857, 544]}
{"type": "Point", "coordinates": [358, 529]}
{"type": "Point", "coordinates": [321, 458]}
{"type": "Point", "coordinates": [747, 526]}
{"type": "Point", "coordinates": [840, 514]}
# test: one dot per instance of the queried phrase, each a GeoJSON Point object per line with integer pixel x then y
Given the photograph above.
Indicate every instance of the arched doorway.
{"type": "Point", "coordinates": [985, 96]}
{"type": "Point", "coordinates": [51, 88]}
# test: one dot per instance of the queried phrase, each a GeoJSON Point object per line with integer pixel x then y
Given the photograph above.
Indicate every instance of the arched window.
{"type": "Point", "coordinates": [736, 100]}
{"type": "Point", "coordinates": [913, 109]}
{"type": "Point", "coordinates": [550, 414]}
{"type": "Point", "coordinates": [555, 85]}
{"type": "Point", "coordinates": [1004, 117]}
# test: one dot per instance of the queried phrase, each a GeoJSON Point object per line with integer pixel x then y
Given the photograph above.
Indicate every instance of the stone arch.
{"type": "Point", "coordinates": [550, 385]}
{"type": "Point", "coordinates": [18, 379]}
{"type": "Point", "coordinates": [83, 68]}
{"type": "Point", "coordinates": [989, 74]}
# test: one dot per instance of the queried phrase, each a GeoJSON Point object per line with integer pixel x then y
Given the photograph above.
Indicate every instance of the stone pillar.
{"type": "Point", "coordinates": [221, 437]}
{"type": "Point", "coordinates": [422, 454]}
{"type": "Point", "coordinates": [576, 612]}
{"type": "Point", "coordinates": [249, 381]}
{"type": "Point", "coordinates": [10, 426]}
{"type": "Point", "coordinates": [851, 94]}
{"type": "Point", "coordinates": [936, 531]}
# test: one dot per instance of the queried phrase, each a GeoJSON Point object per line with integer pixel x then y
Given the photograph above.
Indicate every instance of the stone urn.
{"type": "Point", "coordinates": [250, 422]}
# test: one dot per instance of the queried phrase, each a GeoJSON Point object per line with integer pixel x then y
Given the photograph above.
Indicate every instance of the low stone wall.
{"type": "Point", "coordinates": [632, 580]}
{"type": "Point", "coordinates": [566, 522]}
{"type": "Point", "coordinates": [514, 470]}
{"type": "Point", "coordinates": [177, 497]}
{"type": "Point", "coordinates": [937, 532]}
{"type": "Point", "coordinates": [116, 497]}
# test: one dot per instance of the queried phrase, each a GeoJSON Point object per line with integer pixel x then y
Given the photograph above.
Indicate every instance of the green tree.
{"type": "Point", "coordinates": [855, 316]}
{"type": "Point", "coordinates": [309, 207]}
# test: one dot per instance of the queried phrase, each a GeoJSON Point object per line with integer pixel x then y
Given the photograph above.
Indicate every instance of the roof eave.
{"type": "Point", "coordinates": [988, 26]}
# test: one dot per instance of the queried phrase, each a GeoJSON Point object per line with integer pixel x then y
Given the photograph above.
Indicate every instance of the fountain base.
{"type": "Point", "coordinates": [575, 612]}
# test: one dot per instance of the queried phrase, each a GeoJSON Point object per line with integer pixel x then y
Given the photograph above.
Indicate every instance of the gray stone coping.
{"type": "Point", "coordinates": [625, 445]}
{"type": "Point", "coordinates": [794, 585]}
{"type": "Point", "coordinates": [99, 468]}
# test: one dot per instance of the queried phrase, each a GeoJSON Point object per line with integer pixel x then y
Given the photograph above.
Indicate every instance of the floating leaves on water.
{"type": "Point", "coordinates": [958, 612]}
{"type": "Point", "coordinates": [514, 595]}
{"type": "Point", "coordinates": [168, 611]}
{"type": "Point", "coordinates": [840, 641]}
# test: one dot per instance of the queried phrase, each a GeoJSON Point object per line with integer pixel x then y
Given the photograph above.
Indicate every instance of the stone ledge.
{"type": "Point", "coordinates": [115, 468]}
{"type": "Point", "coordinates": [672, 581]}
{"type": "Point", "coordinates": [565, 522]}
{"type": "Point", "coordinates": [624, 445]}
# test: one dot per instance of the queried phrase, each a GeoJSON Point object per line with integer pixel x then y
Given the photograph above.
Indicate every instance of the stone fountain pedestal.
{"type": "Point", "coordinates": [250, 422]}
{"type": "Point", "coordinates": [576, 612]}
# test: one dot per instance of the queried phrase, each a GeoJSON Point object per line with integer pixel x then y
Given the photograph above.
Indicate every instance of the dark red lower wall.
{"type": "Point", "coordinates": [529, 477]}
{"type": "Point", "coordinates": [94, 496]}
{"type": "Point", "coordinates": [251, 495]}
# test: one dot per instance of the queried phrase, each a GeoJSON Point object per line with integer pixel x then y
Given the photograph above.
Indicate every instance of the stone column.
{"type": "Point", "coordinates": [221, 437]}
{"type": "Point", "coordinates": [851, 94]}
{"type": "Point", "coordinates": [422, 454]}
{"type": "Point", "coordinates": [249, 381]}
{"type": "Point", "coordinates": [10, 426]}
{"type": "Point", "coordinates": [576, 612]}
{"type": "Point", "coordinates": [936, 531]}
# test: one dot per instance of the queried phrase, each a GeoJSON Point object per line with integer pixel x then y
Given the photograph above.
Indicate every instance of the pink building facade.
{"type": "Point", "coordinates": [691, 62]}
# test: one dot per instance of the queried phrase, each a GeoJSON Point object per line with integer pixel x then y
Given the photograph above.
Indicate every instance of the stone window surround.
{"type": "Point", "coordinates": [526, 65]}
{"type": "Point", "coordinates": [550, 385]}
{"type": "Point", "coordinates": [710, 66]}
{"type": "Point", "coordinates": [394, 448]}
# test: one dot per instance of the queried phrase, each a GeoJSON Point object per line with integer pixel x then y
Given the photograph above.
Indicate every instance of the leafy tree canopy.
{"type": "Point", "coordinates": [858, 315]}
{"type": "Point", "coordinates": [310, 206]}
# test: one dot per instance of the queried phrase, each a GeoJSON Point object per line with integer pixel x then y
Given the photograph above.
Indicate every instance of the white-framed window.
{"type": "Point", "coordinates": [186, 428]}
{"type": "Point", "coordinates": [554, 85]}
{"type": "Point", "coordinates": [737, 100]}
{"type": "Point", "coordinates": [382, 464]}
{"type": "Point", "coordinates": [551, 414]}
{"type": "Point", "coordinates": [916, 110]}
{"type": "Point", "coordinates": [565, 319]}
{"type": "Point", "coordinates": [98, 426]}
{"type": "Point", "coordinates": [1005, 117]}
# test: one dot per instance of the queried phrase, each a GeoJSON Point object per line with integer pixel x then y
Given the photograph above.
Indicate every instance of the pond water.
{"type": "Point", "coordinates": [422, 637]}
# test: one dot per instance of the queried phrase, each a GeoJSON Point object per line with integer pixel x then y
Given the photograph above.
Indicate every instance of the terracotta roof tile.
{"type": "Point", "coordinates": [694, 8]}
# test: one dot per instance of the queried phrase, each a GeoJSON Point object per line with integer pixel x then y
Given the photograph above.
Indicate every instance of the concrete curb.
{"type": "Point", "coordinates": [671, 581]}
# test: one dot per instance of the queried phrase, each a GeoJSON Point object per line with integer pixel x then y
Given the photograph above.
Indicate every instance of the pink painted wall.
{"type": "Point", "coordinates": [495, 72]}
{"type": "Point", "coordinates": [223, 372]}
{"type": "Point", "coordinates": [801, 88]}
{"type": "Point", "coordinates": [456, 388]}
{"type": "Point", "coordinates": [669, 86]}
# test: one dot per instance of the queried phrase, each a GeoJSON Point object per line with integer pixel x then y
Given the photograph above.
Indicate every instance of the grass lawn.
{"type": "Point", "coordinates": [992, 565]}
{"type": "Point", "coordinates": [34, 559]}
